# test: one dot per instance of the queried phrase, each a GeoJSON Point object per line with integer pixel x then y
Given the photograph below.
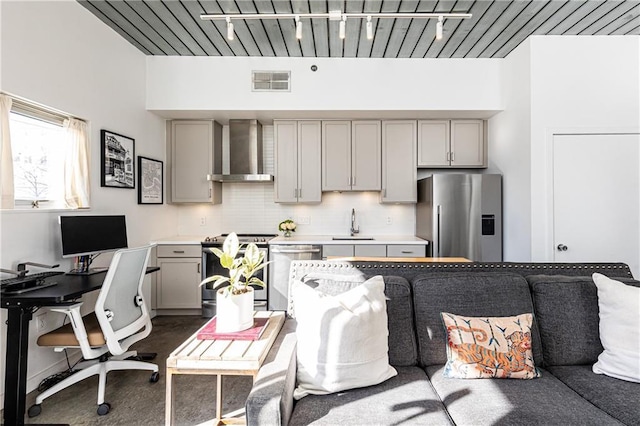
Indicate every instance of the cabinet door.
{"type": "Point", "coordinates": [336, 156]}
{"type": "Point", "coordinates": [406, 250]}
{"type": "Point", "coordinates": [286, 161]}
{"type": "Point", "coordinates": [309, 161]}
{"type": "Point", "coordinates": [178, 283]}
{"type": "Point", "coordinates": [192, 159]}
{"type": "Point", "coordinates": [337, 250]}
{"type": "Point", "coordinates": [399, 168]}
{"type": "Point", "coordinates": [366, 152]}
{"type": "Point", "coordinates": [370, 250]}
{"type": "Point", "coordinates": [433, 143]}
{"type": "Point", "coordinates": [467, 143]}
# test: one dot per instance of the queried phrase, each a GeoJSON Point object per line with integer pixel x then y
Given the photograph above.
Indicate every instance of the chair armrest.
{"type": "Point", "coordinates": [270, 401]}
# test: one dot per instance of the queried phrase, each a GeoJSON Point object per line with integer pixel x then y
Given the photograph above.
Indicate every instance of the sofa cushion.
{"type": "Point", "coordinates": [617, 397]}
{"type": "Point", "coordinates": [471, 294]}
{"type": "Point", "coordinates": [619, 306]}
{"type": "Point", "coordinates": [405, 399]}
{"type": "Point", "coordinates": [489, 347]}
{"type": "Point", "coordinates": [544, 401]}
{"type": "Point", "coordinates": [403, 348]}
{"type": "Point", "coordinates": [342, 339]}
{"type": "Point", "coordinates": [566, 311]}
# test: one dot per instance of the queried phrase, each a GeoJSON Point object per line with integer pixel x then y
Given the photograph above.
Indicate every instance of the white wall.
{"type": "Point", "coordinates": [578, 84]}
{"type": "Point", "coordinates": [222, 84]}
{"type": "Point", "coordinates": [59, 55]}
{"type": "Point", "coordinates": [510, 153]}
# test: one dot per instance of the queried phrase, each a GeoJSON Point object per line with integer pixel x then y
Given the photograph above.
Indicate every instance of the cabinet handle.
{"type": "Point", "coordinates": [448, 156]}
{"type": "Point", "coordinates": [453, 156]}
{"type": "Point", "coordinates": [209, 192]}
{"type": "Point", "coordinates": [353, 181]}
{"type": "Point", "coordinates": [299, 192]}
{"type": "Point", "coordinates": [179, 251]}
{"type": "Point", "coordinates": [198, 267]}
{"type": "Point", "coordinates": [407, 251]}
{"type": "Point", "coordinates": [349, 181]}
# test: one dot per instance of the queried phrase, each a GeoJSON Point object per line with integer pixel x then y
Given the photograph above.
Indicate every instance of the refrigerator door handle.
{"type": "Point", "coordinates": [437, 248]}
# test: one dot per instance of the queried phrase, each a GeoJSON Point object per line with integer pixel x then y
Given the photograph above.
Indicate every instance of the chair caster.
{"type": "Point", "coordinates": [34, 410]}
{"type": "Point", "coordinates": [155, 376]}
{"type": "Point", "coordinates": [104, 408]}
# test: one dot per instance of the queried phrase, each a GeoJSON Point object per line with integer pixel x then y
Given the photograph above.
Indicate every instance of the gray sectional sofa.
{"type": "Point", "coordinates": [565, 344]}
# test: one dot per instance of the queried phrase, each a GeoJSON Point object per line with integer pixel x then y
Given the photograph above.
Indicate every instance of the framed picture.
{"type": "Point", "coordinates": [117, 160]}
{"type": "Point", "coordinates": [150, 181]}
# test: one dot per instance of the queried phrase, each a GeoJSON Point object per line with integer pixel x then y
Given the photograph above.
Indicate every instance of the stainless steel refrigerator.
{"type": "Point", "coordinates": [461, 215]}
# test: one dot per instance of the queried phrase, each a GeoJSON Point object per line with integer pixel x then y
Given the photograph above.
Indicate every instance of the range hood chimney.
{"type": "Point", "coordinates": [245, 153]}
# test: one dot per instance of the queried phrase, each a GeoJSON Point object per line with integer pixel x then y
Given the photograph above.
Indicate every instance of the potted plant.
{"type": "Point", "coordinates": [234, 301]}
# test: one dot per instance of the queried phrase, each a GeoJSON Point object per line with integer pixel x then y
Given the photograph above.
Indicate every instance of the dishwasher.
{"type": "Point", "coordinates": [281, 256]}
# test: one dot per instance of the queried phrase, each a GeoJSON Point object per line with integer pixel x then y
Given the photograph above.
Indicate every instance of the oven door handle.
{"type": "Point", "coordinates": [295, 251]}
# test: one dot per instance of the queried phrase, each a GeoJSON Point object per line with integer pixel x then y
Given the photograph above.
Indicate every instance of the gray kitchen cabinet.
{"type": "Point", "coordinates": [297, 161]}
{"type": "Point", "coordinates": [196, 153]}
{"type": "Point", "coordinates": [399, 172]}
{"type": "Point", "coordinates": [351, 155]}
{"type": "Point", "coordinates": [337, 250]}
{"type": "Point", "coordinates": [370, 250]}
{"type": "Point", "coordinates": [406, 250]}
{"type": "Point", "coordinates": [451, 144]}
{"type": "Point", "coordinates": [179, 276]}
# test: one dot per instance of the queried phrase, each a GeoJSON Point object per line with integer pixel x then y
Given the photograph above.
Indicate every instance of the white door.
{"type": "Point", "coordinates": [596, 198]}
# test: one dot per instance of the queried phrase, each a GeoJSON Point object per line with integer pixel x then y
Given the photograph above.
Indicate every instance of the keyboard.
{"type": "Point", "coordinates": [30, 282]}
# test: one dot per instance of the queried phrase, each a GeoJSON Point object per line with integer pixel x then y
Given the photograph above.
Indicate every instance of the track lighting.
{"type": "Point", "coordinates": [229, 29]}
{"type": "Point", "coordinates": [335, 15]}
{"type": "Point", "coordinates": [439, 28]}
{"type": "Point", "coordinates": [298, 28]}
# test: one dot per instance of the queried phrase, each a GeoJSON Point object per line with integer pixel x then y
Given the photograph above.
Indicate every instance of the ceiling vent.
{"type": "Point", "coordinates": [271, 81]}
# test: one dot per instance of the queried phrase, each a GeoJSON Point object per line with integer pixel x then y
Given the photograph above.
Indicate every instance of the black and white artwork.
{"type": "Point", "coordinates": [117, 160]}
{"type": "Point", "coordinates": [149, 181]}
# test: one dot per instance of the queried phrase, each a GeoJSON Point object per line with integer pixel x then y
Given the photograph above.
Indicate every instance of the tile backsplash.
{"type": "Point", "coordinates": [249, 208]}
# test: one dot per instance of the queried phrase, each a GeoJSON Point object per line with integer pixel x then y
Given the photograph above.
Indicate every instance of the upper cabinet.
{"type": "Point", "coordinates": [195, 154]}
{"type": "Point", "coordinates": [399, 172]}
{"type": "Point", "coordinates": [297, 161]}
{"type": "Point", "coordinates": [452, 143]}
{"type": "Point", "coordinates": [351, 155]}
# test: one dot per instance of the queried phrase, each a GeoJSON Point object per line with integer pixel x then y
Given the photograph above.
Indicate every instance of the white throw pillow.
{"type": "Point", "coordinates": [619, 306]}
{"type": "Point", "coordinates": [342, 339]}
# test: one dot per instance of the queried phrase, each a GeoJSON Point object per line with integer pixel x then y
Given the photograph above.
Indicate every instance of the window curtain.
{"type": "Point", "coordinates": [6, 158]}
{"type": "Point", "coordinates": [77, 185]}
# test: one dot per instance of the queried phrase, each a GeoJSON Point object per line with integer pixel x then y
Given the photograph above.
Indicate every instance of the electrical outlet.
{"type": "Point", "coordinates": [304, 220]}
{"type": "Point", "coordinates": [389, 221]}
{"type": "Point", "coordinates": [203, 221]}
{"type": "Point", "coordinates": [41, 322]}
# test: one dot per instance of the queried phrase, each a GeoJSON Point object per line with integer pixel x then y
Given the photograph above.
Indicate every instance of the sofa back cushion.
{"type": "Point", "coordinates": [566, 309]}
{"type": "Point", "coordinates": [469, 294]}
{"type": "Point", "coordinates": [403, 348]}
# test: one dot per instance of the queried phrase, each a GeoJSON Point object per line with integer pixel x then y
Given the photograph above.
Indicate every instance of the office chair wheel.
{"type": "Point", "coordinates": [155, 376]}
{"type": "Point", "coordinates": [104, 408]}
{"type": "Point", "coordinates": [34, 410]}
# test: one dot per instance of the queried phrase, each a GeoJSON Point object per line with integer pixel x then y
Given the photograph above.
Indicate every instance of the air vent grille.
{"type": "Point", "coordinates": [271, 81]}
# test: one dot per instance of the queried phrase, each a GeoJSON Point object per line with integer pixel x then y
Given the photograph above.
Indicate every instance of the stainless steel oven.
{"type": "Point", "coordinates": [211, 266]}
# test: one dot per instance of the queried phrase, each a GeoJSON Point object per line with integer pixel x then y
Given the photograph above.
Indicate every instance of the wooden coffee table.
{"type": "Point", "coordinates": [221, 358]}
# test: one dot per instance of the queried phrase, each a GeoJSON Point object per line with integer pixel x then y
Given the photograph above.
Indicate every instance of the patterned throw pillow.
{"type": "Point", "coordinates": [481, 347]}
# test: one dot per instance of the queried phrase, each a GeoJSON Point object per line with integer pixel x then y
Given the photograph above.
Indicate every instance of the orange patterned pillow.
{"type": "Point", "coordinates": [481, 347]}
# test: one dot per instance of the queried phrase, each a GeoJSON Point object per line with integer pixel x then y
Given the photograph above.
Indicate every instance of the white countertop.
{"type": "Point", "coordinates": [328, 239]}
{"type": "Point", "coordinates": [179, 239]}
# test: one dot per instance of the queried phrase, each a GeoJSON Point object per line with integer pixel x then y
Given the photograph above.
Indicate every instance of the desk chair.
{"type": "Point", "coordinates": [104, 336]}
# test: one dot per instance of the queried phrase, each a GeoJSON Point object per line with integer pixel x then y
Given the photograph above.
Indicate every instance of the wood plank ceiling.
{"type": "Point", "coordinates": [174, 27]}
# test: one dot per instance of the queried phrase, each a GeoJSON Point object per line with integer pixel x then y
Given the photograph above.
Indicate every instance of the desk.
{"type": "Point", "coordinates": [20, 309]}
{"type": "Point", "coordinates": [221, 357]}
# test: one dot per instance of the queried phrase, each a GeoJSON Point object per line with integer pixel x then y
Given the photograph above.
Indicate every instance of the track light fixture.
{"type": "Point", "coordinates": [439, 28]}
{"type": "Point", "coordinates": [335, 15]}
{"type": "Point", "coordinates": [298, 28]}
{"type": "Point", "coordinates": [229, 28]}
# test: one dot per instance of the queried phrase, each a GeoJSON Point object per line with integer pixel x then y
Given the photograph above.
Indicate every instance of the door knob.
{"type": "Point", "coordinates": [562, 247]}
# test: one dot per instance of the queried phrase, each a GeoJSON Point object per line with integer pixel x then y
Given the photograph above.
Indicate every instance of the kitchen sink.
{"type": "Point", "coordinates": [353, 238]}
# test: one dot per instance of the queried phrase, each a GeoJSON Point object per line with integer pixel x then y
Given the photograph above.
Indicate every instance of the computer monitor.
{"type": "Point", "coordinates": [87, 236]}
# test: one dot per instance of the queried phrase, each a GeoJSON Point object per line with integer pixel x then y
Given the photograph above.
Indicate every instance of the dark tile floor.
{"type": "Point", "coordinates": [136, 401]}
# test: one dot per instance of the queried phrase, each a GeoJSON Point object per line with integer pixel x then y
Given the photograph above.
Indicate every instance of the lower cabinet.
{"type": "Point", "coordinates": [373, 250]}
{"type": "Point", "coordinates": [179, 277]}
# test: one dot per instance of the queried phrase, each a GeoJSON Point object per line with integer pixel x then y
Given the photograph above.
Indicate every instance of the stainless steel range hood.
{"type": "Point", "coordinates": [245, 153]}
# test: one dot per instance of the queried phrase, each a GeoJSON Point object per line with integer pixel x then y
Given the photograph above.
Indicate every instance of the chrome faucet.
{"type": "Point", "coordinates": [353, 229]}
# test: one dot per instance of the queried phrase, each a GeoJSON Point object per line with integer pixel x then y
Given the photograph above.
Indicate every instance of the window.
{"type": "Point", "coordinates": [49, 154]}
{"type": "Point", "coordinates": [38, 161]}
